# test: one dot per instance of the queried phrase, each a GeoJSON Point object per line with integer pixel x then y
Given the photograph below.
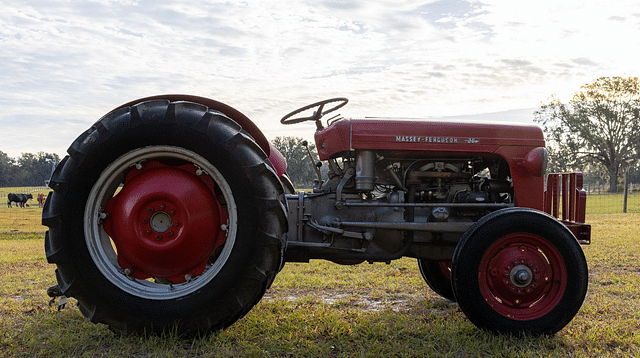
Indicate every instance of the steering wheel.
{"type": "Point", "coordinates": [317, 114]}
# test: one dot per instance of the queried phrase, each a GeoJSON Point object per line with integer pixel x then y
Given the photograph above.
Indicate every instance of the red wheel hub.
{"type": "Point", "coordinates": [165, 222]}
{"type": "Point", "coordinates": [522, 276]}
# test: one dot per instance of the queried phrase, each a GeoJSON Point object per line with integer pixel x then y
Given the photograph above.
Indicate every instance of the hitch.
{"type": "Point", "coordinates": [55, 292]}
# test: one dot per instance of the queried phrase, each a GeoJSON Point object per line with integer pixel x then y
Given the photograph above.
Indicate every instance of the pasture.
{"type": "Point", "coordinates": [17, 219]}
{"type": "Point", "coordinates": [322, 309]}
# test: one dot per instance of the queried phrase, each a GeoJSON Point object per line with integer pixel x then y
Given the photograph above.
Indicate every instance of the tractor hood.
{"type": "Point", "coordinates": [456, 138]}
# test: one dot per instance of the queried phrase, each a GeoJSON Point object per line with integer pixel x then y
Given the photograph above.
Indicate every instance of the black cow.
{"type": "Point", "coordinates": [20, 199]}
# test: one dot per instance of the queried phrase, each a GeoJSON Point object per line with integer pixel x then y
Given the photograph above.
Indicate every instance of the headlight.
{"type": "Point", "coordinates": [536, 161]}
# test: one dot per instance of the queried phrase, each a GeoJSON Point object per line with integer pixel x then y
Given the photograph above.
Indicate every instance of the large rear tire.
{"type": "Point", "coordinates": [165, 216]}
{"type": "Point", "coordinates": [519, 271]}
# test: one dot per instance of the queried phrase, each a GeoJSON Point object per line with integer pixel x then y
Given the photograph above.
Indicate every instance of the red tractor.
{"type": "Point", "coordinates": [175, 213]}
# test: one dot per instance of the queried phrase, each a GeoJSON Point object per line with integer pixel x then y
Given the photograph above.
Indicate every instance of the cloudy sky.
{"type": "Point", "coordinates": [66, 63]}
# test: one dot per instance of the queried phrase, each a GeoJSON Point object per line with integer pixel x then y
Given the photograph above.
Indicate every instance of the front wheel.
{"type": "Point", "coordinates": [519, 271]}
{"type": "Point", "coordinates": [437, 274]}
{"type": "Point", "coordinates": [165, 216]}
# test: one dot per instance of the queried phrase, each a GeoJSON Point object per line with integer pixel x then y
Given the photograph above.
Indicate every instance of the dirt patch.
{"type": "Point", "coordinates": [361, 301]}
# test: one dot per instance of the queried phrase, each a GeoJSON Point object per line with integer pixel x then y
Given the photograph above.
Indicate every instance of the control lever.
{"type": "Point", "coordinates": [316, 165]}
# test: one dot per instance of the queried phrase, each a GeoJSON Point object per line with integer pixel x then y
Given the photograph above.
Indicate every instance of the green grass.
{"type": "Point", "coordinates": [16, 248]}
{"type": "Point", "coordinates": [20, 220]}
{"type": "Point", "coordinates": [322, 309]}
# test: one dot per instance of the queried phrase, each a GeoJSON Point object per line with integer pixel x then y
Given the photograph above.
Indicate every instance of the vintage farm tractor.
{"type": "Point", "coordinates": [175, 213]}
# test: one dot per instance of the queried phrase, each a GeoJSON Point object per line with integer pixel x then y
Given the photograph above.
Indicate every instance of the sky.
{"type": "Point", "coordinates": [64, 64]}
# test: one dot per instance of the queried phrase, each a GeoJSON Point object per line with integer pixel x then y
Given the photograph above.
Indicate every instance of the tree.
{"type": "Point", "coordinates": [299, 166]}
{"type": "Point", "coordinates": [33, 170]}
{"type": "Point", "coordinates": [7, 167]}
{"type": "Point", "coordinates": [600, 126]}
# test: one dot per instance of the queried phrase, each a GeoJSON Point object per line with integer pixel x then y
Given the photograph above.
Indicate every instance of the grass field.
{"type": "Point", "coordinates": [322, 309]}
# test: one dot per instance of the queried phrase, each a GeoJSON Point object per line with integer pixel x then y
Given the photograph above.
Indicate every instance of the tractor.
{"type": "Point", "coordinates": [175, 213]}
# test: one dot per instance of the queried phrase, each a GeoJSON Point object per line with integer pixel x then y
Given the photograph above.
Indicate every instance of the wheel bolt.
{"type": "Point", "coordinates": [172, 212]}
{"type": "Point", "coordinates": [144, 221]}
{"type": "Point", "coordinates": [170, 233]}
{"type": "Point", "coordinates": [522, 276]}
{"type": "Point", "coordinates": [150, 210]}
{"type": "Point", "coordinates": [175, 223]}
{"type": "Point", "coordinates": [161, 206]}
{"type": "Point", "coordinates": [158, 237]}
{"type": "Point", "coordinates": [147, 231]}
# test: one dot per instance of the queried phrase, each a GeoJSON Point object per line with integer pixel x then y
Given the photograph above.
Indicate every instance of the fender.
{"type": "Point", "coordinates": [275, 157]}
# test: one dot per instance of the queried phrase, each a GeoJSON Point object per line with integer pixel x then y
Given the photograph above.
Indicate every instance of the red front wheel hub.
{"type": "Point", "coordinates": [165, 222]}
{"type": "Point", "coordinates": [522, 276]}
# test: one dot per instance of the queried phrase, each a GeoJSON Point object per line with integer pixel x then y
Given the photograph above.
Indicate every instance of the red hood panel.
{"type": "Point", "coordinates": [402, 135]}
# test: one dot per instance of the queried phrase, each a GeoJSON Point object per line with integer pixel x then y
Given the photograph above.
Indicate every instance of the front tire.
{"type": "Point", "coordinates": [165, 216]}
{"type": "Point", "coordinates": [437, 274]}
{"type": "Point", "coordinates": [519, 271]}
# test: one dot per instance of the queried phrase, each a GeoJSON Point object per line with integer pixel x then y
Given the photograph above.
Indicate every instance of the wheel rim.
{"type": "Point", "coordinates": [522, 276]}
{"type": "Point", "coordinates": [445, 268]}
{"type": "Point", "coordinates": [170, 228]}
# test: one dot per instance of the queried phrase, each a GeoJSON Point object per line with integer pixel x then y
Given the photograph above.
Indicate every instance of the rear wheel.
{"type": "Point", "coordinates": [519, 271]}
{"type": "Point", "coordinates": [165, 216]}
{"type": "Point", "coordinates": [437, 274]}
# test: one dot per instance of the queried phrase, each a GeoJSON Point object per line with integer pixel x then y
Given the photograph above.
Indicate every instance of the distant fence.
{"type": "Point", "coordinates": [625, 200]}
{"type": "Point", "coordinates": [612, 203]}
{"type": "Point", "coordinates": [4, 192]}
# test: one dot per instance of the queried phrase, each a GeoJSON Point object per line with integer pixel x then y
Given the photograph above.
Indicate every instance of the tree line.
{"type": "Point", "coordinates": [27, 170]}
